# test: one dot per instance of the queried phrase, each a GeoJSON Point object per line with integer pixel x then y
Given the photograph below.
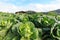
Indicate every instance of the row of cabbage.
{"type": "Point", "coordinates": [29, 27]}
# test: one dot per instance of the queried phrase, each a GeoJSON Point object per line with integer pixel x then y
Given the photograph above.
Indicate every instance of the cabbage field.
{"type": "Point", "coordinates": [26, 26]}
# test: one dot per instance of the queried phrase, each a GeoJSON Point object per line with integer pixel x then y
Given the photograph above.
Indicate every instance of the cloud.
{"type": "Point", "coordinates": [45, 7]}
{"type": "Point", "coordinates": [7, 7]}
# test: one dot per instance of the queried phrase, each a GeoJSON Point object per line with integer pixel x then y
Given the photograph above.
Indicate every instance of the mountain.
{"type": "Point", "coordinates": [57, 11]}
{"type": "Point", "coordinates": [30, 12]}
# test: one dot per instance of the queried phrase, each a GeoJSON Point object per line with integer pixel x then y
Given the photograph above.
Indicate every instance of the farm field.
{"type": "Point", "coordinates": [29, 26]}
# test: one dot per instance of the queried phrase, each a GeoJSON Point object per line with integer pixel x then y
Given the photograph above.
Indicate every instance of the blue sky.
{"type": "Point", "coordinates": [26, 2]}
{"type": "Point", "coordinates": [35, 5]}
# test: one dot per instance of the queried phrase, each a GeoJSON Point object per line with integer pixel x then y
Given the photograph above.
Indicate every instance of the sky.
{"type": "Point", "coordinates": [24, 5]}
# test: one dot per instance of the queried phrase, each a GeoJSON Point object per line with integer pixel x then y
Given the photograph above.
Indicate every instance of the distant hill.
{"type": "Point", "coordinates": [30, 12]}
{"type": "Point", "coordinates": [57, 11]}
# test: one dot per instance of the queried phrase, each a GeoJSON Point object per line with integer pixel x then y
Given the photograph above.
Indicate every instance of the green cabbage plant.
{"type": "Point", "coordinates": [55, 30]}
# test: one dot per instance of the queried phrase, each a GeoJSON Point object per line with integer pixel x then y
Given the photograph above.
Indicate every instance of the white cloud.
{"type": "Point", "coordinates": [6, 7]}
{"type": "Point", "coordinates": [45, 7]}
{"type": "Point", "coordinates": [9, 7]}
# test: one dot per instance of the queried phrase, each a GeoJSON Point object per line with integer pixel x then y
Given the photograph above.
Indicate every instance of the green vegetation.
{"type": "Point", "coordinates": [29, 26]}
